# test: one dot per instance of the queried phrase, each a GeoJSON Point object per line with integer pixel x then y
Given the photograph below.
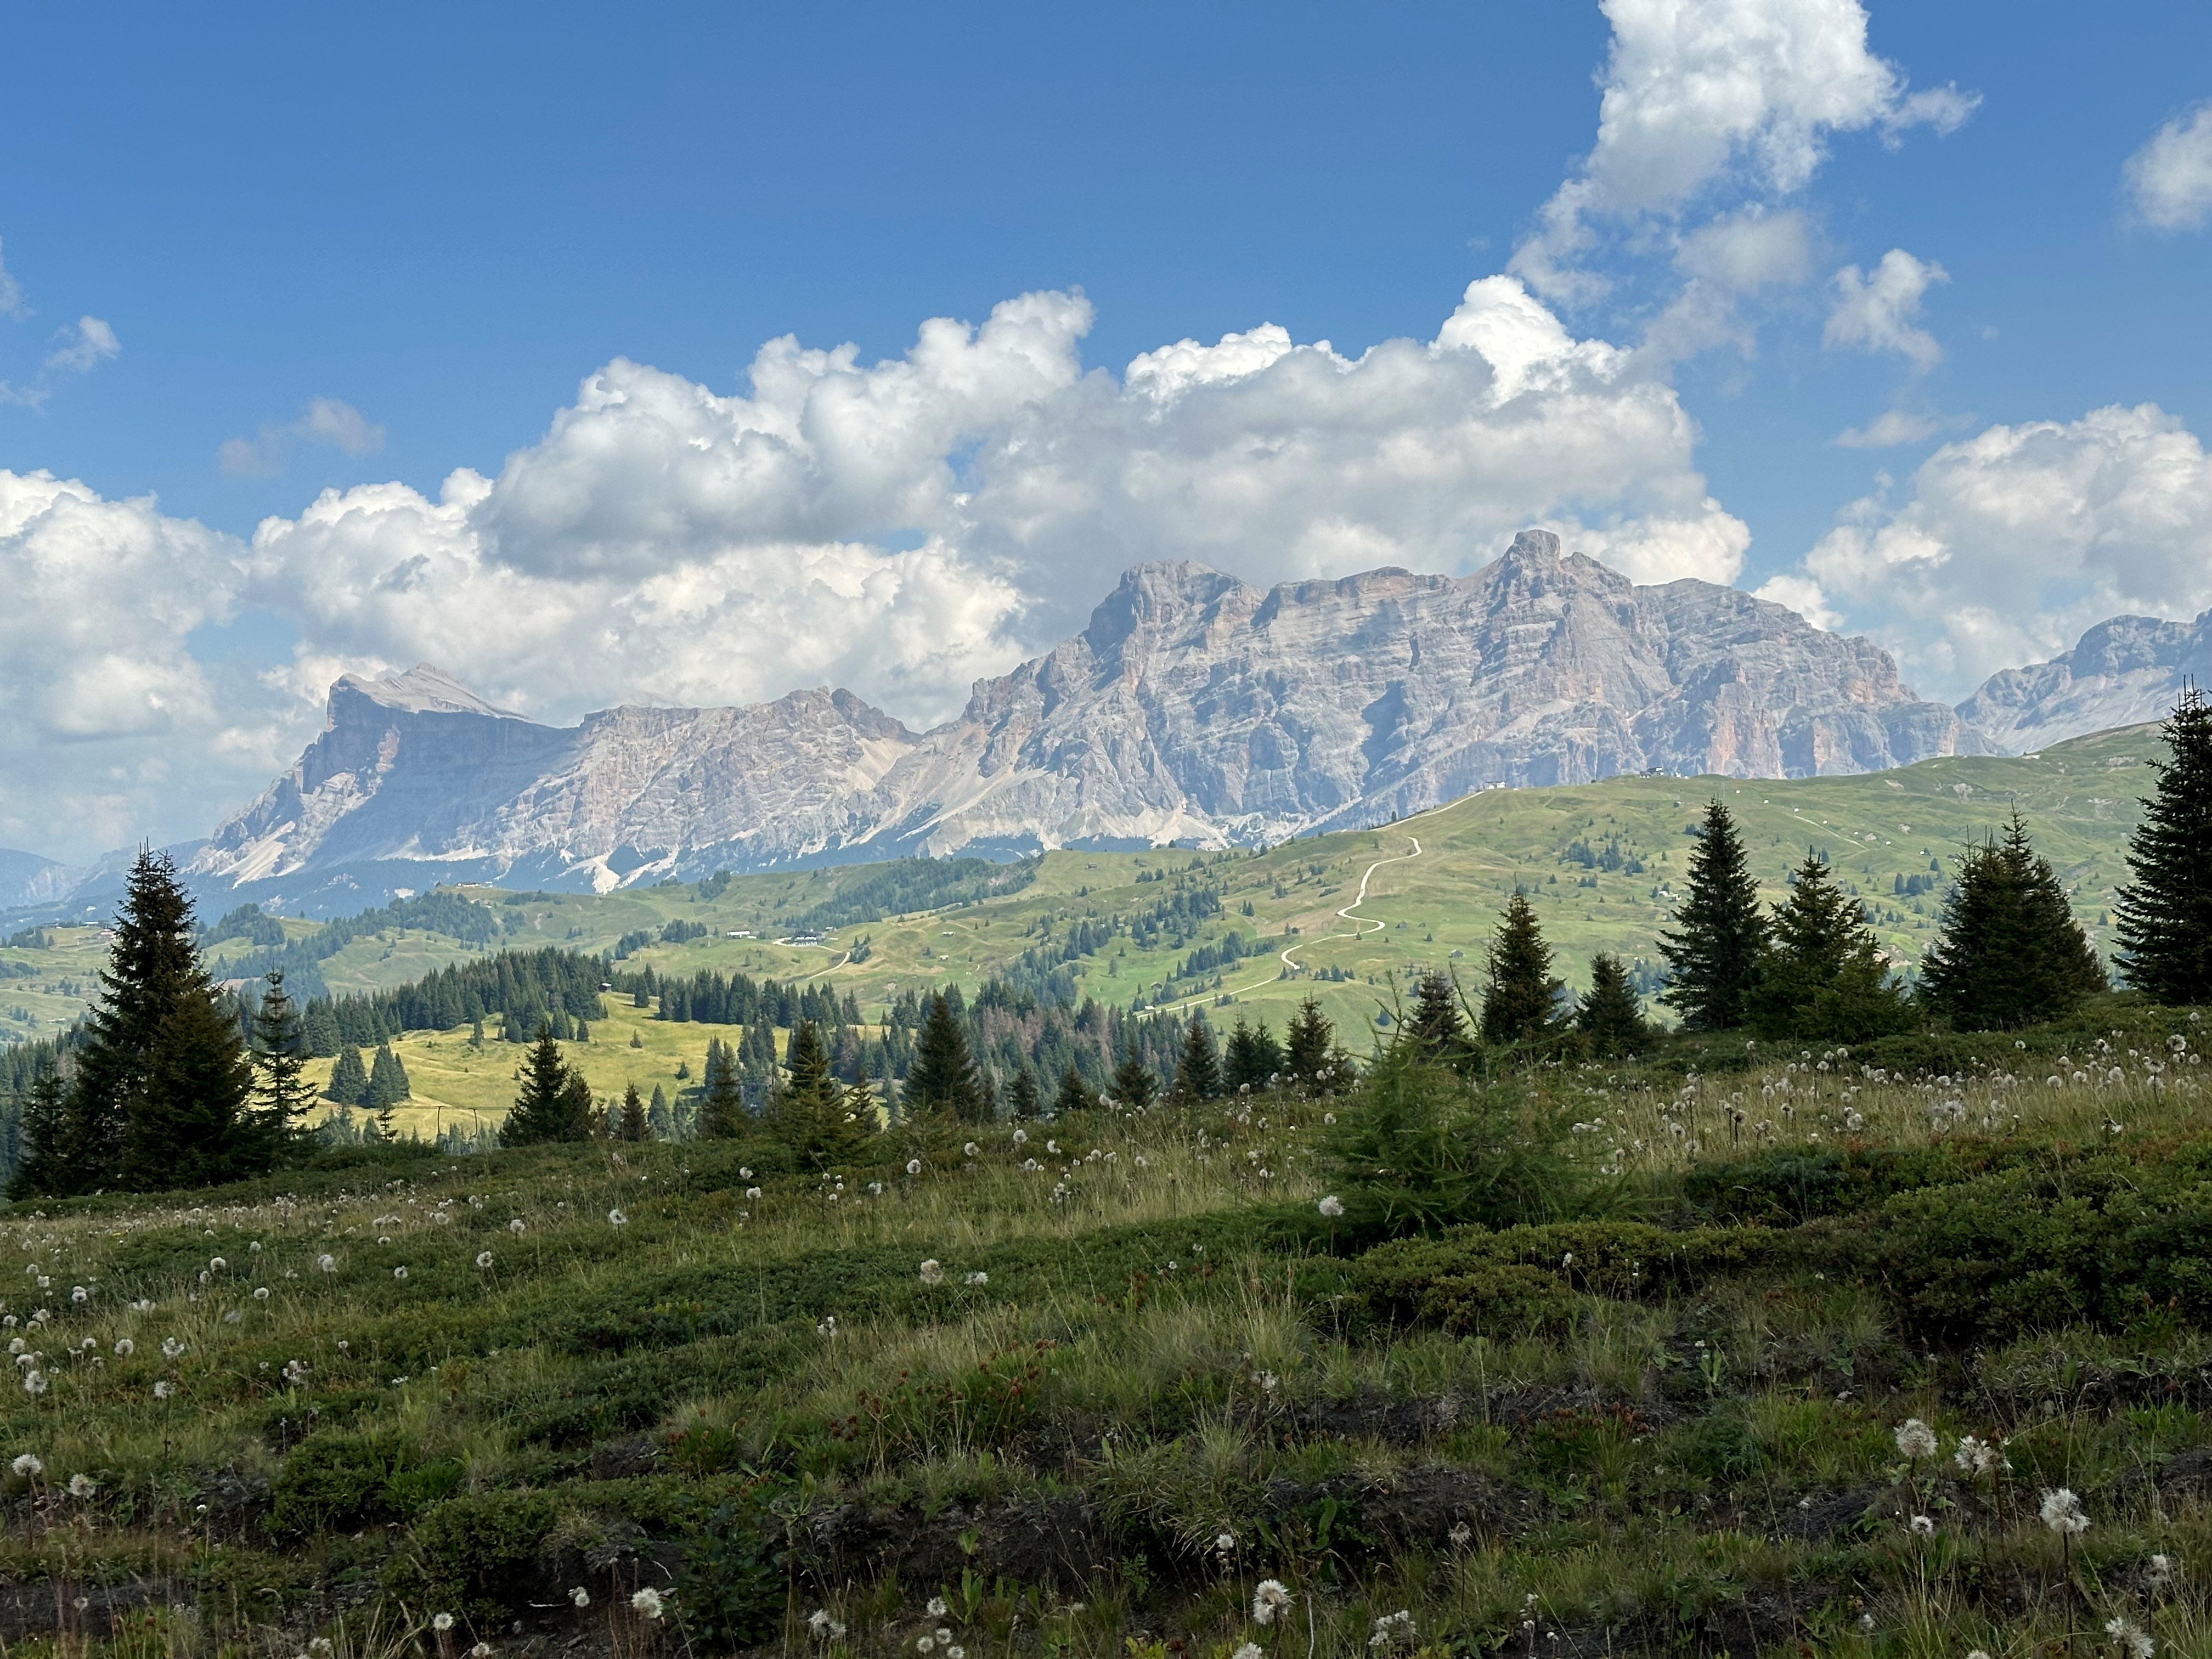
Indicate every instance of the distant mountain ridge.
{"type": "Point", "coordinates": [2123, 671]}
{"type": "Point", "coordinates": [1194, 707]}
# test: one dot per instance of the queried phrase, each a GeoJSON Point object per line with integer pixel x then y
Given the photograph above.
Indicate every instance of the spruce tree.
{"type": "Point", "coordinates": [282, 1096]}
{"type": "Point", "coordinates": [1435, 1027]}
{"type": "Point", "coordinates": [1310, 1060]}
{"type": "Point", "coordinates": [1198, 1071]}
{"type": "Point", "coordinates": [349, 1084]}
{"type": "Point", "coordinates": [1516, 1003]}
{"type": "Point", "coordinates": [2009, 951]}
{"type": "Point", "coordinates": [38, 1167]}
{"type": "Point", "coordinates": [1821, 976]}
{"type": "Point", "coordinates": [1611, 1014]}
{"type": "Point", "coordinates": [1251, 1060]}
{"type": "Point", "coordinates": [722, 1115]}
{"type": "Point", "coordinates": [942, 1077]}
{"type": "Point", "coordinates": [810, 1113]}
{"type": "Point", "coordinates": [2163, 915]}
{"type": "Point", "coordinates": [632, 1125]}
{"type": "Point", "coordinates": [1075, 1095]}
{"type": "Point", "coordinates": [658, 1117]}
{"type": "Point", "coordinates": [544, 1106]}
{"type": "Point", "coordinates": [1713, 953]}
{"type": "Point", "coordinates": [1023, 1096]}
{"type": "Point", "coordinates": [152, 971]}
{"type": "Point", "coordinates": [387, 1080]}
{"type": "Point", "coordinates": [189, 1123]}
{"type": "Point", "coordinates": [1133, 1086]}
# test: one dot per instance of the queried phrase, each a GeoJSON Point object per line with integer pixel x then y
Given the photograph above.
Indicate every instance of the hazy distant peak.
{"type": "Point", "coordinates": [424, 688]}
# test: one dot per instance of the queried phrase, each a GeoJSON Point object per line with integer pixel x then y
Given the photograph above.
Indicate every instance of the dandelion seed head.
{"type": "Point", "coordinates": [483, 1258]}
{"type": "Point", "coordinates": [27, 1464]}
{"type": "Point", "coordinates": [1331, 1207]}
{"type": "Point", "coordinates": [2061, 1512]}
{"type": "Point", "coordinates": [580, 1596]}
{"type": "Point", "coordinates": [1915, 1438]}
{"type": "Point", "coordinates": [931, 1272]}
{"type": "Point", "coordinates": [441, 1621]}
{"type": "Point", "coordinates": [1270, 1597]}
{"type": "Point", "coordinates": [616, 1218]}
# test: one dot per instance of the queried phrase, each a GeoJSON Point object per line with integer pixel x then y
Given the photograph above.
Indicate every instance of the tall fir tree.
{"type": "Point", "coordinates": [1517, 1002]}
{"type": "Point", "coordinates": [1251, 1059]}
{"type": "Point", "coordinates": [545, 1107]}
{"type": "Point", "coordinates": [189, 1124]}
{"type": "Point", "coordinates": [387, 1080]}
{"type": "Point", "coordinates": [38, 1167]}
{"type": "Point", "coordinates": [1133, 1086]}
{"type": "Point", "coordinates": [722, 1115]}
{"type": "Point", "coordinates": [1713, 952]}
{"type": "Point", "coordinates": [1197, 1070]}
{"type": "Point", "coordinates": [348, 1082]}
{"type": "Point", "coordinates": [809, 1113]}
{"type": "Point", "coordinates": [942, 1077]}
{"type": "Point", "coordinates": [1309, 1059]}
{"type": "Point", "coordinates": [1074, 1095]}
{"type": "Point", "coordinates": [1023, 1099]}
{"type": "Point", "coordinates": [282, 1096]}
{"type": "Point", "coordinates": [1610, 1014]}
{"type": "Point", "coordinates": [658, 1118]}
{"type": "Point", "coordinates": [152, 971]}
{"type": "Point", "coordinates": [2008, 952]}
{"type": "Point", "coordinates": [1437, 1025]}
{"type": "Point", "coordinates": [632, 1126]}
{"type": "Point", "coordinates": [1821, 976]}
{"type": "Point", "coordinates": [2163, 915]}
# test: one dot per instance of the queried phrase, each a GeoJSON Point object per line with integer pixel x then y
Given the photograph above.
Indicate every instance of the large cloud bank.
{"type": "Point", "coordinates": [899, 527]}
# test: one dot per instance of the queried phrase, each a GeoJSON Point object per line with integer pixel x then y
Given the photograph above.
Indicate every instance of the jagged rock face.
{"type": "Point", "coordinates": [1194, 707]}
{"type": "Point", "coordinates": [2124, 672]}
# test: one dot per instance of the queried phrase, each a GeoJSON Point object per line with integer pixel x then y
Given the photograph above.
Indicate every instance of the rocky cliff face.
{"type": "Point", "coordinates": [2123, 672]}
{"type": "Point", "coordinates": [1194, 707]}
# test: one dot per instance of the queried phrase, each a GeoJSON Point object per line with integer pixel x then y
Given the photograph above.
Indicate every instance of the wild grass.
{"type": "Point", "coordinates": [1158, 1354]}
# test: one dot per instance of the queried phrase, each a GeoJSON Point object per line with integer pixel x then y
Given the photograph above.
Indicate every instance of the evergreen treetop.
{"type": "Point", "coordinates": [282, 1096]}
{"type": "Point", "coordinates": [2163, 915]}
{"type": "Point", "coordinates": [1252, 1058]}
{"type": "Point", "coordinates": [1198, 1071]}
{"type": "Point", "coordinates": [1610, 1014]}
{"type": "Point", "coordinates": [942, 1077]}
{"type": "Point", "coordinates": [632, 1126]}
{"type": "Point", "coordinates": [722, 1115]}
{"type": "Point", "coordinates": [1437, 1025]}
{"type": "Point", "coordinates": [1023, 1098]}
{"type": "Point", "coordinates": [1075, 1095]}
{"type": "Point", "coordinates": [1134, 1087]}
{"type": "Point", "coordinates": [1822, 973]}
{"type": "Point", "coordinates": [1517, 1003]}
{"type": "Point", "coordinates": [1713, 951]}
{"type": "Point", "coordinates": [545, 1108]}
{"type": "Point", "coordinates": [1309, 1059]}
{"type": "Point", "coordinates": [2009, 951]}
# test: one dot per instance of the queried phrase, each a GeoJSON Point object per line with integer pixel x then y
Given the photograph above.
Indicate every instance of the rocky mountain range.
{"type": "Point", "coordinates": [1194, 707]}
{"type": "Point", "coordinates": [2123, 672]}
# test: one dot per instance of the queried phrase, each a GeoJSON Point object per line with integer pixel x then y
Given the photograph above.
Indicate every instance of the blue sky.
{"type": "Point", "coordinates": [256, 255]}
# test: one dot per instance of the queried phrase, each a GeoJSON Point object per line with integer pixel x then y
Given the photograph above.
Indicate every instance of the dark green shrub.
{"type": "Point", "coordinates": [469, 1555]}
{"type": "Point", "coordinates": [1529, 1278]}
{"type": "Point", "coordinates": [334, 1482]}
{"type": "Point", "coordinates": [732, 1594]}
{"type": "Point", "coordinates": [1788, 1185]}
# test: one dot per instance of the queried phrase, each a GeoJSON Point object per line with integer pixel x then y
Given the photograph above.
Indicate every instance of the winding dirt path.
{"type": "Point", "coordinates": [1362, 927]}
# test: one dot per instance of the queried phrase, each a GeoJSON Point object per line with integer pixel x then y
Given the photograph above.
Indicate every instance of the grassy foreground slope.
{"type": "Point", "coordinates": [1080, 1387]}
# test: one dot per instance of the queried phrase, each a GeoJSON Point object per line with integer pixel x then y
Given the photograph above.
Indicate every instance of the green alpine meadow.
{"type": "Point", "coordinates": [1833, 1298]}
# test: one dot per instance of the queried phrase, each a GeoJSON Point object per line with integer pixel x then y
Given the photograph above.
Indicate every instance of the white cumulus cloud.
{"type": "Point", "coordinates": [2169, 179]}
{"type": "Point", "coordinates": [900, 528]}
{"type": "Point", "coordinates": [2012, 542]}
{"type": "Point", "coordinates": [1877, 310]}
{"type": "Point", "coordinates": [1699, 94]}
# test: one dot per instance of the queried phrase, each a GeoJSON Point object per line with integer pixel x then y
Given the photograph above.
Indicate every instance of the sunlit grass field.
{"type": "Point", "coordinates": [1081, 1386]}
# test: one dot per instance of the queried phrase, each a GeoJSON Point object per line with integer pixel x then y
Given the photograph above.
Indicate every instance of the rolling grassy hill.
{"type": "Point", "coordinates": [1604, 862]}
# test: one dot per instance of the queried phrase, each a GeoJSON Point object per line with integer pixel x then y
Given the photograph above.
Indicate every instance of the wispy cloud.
{"type": "Point", "coordinates": [326, 421]}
